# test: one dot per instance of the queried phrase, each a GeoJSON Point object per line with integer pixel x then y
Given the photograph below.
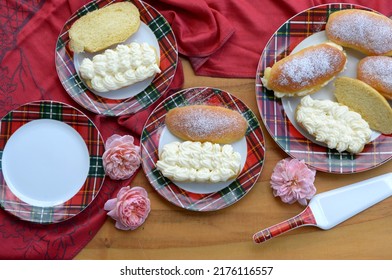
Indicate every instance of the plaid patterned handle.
{"type": "Point", "coordinates": [305, 218]}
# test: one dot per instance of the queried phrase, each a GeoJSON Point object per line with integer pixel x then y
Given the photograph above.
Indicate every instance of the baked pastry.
{"type": "Point", "coordinates": [365, 31]}
{"type": "Point", "coordinates": [306, 71]}
{"type": "Point", "coordinates": [376, 71]}
{"type": "Point", "coordinates": [120, 67]}
{"type": "Point", "coordinates": [333, 124]}
{"type": "Point", "coordinates": [205, 123]}
{"type": "Point", "coordinates": [199, 162]}
{"type": "Point", "coordinates": [368, 102]}
{"type": "Point", "coordinates": [99, 29]}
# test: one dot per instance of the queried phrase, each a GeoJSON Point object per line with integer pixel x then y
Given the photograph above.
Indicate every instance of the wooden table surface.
{"type": "Point", "coordinates": [173, 233]}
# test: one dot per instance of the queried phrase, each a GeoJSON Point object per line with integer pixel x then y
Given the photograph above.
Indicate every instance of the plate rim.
{"type": "Point", "coordinates": [174, 189]}
{"type": "Point", "coordinates": [329, 165]}
{"type": "Point", "coordinates": [10, 203]}
{"type": "Point", "coordinates": [75, 87]}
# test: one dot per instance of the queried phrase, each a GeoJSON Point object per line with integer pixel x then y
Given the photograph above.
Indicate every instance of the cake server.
{"type": "Point", "coordinates": [328, 209]}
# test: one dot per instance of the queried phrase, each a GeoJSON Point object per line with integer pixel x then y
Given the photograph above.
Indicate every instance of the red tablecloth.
{"type": "Point", "coordinates": [220, 38]}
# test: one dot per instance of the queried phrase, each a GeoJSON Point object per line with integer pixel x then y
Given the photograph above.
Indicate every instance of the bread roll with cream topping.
{"type": "Point", "coordinates": [376, 71]}
{"type": "Point", "coordinates": [365, 31]}
{"type": "Point", "coordinates": [306, 71]}
{"type": "Point", "coordinates": [205, 123]}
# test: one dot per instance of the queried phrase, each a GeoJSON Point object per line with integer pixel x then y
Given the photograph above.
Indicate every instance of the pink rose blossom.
{"type": "Point", "coordinates": [130, 208]}
{"type": "Point", "coordinates": [292, 181]}
{"type": "Point", "coordinates": [121, 158]}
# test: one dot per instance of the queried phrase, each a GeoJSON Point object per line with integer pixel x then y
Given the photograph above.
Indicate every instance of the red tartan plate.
{"type": "Point", "coordinates": [51, 162]}
{"type": "Point", "coordinates": [140, 96]}
{"type": "Point", "coordinates": [231, 193]}
{"type": "Point", "coordinates": [276, 114]}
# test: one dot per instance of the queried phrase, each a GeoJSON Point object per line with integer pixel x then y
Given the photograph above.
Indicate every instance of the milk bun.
{"type": "Point", "coordinates": [365, 31]}
{"type": "Point", "coordinates": [306, 71]}
{"type": "Point", "coordinates": [205, 123]}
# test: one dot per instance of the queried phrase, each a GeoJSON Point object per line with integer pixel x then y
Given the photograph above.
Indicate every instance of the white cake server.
{"type": "Point", "coordinates": [328, 209]}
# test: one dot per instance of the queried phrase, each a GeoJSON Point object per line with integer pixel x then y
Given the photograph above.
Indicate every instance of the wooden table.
{"type": "Point", "coordinates": [173, 233]}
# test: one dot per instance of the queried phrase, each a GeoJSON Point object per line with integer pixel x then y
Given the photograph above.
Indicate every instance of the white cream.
{"type": "Point", "coordinates": [120, 67]}
{"type": "Point", "coordinates": [199, 162]}
{"type": "Point", "coordinates": [334, 124]}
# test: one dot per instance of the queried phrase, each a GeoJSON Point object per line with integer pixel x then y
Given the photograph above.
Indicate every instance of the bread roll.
{"type": "Point", "coordinates": [102, 28]}
{"type": "Point", "coordinates": [376, 71]}
{"type": "Point", "coordinates": [333, 124]}
{"type": "Point", "coordinates": [306, 71]}
{"type": "Point", "coordinates": [365, 31]}
{"type": "Point", "coordinates": [365, 100]}
{"type": "Point", "coordinates": [206, 123]}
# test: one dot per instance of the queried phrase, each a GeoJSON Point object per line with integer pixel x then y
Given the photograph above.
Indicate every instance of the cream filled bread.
{"type": "Point", "coordinates": [306, 71]}
{"type": "Point", "coordinates": [376, 71]}
{"type": "Point", "coordinates": [199, 162]}
{"type": "Point", "coordinates": [333, 124]}
{"type": "Point", "coordinates": [365, 31]}
{"type": "Point", "coordinates": [120, 67]}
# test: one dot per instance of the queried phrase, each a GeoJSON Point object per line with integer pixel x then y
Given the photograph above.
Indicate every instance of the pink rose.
{"type": "Point", "coordinates": [121, 158]}
{"type": "Point", "coordinates": [130, 208]}
{"type": "Point", "coordinates": [292, 181]}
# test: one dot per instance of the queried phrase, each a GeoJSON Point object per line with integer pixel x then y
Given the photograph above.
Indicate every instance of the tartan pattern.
{"type": "Point", "coordinates": [306, 218]}
{"type": "Point", "coordinates": [282, 42]}
{"type": "Point", "coordinates": [212, 201]}
{"type": "Point", "coordinates": [100, 105]}
{"type": "Point", "coordinates": [95, 145]}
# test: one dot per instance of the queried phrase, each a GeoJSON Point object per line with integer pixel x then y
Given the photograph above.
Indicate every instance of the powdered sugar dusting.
{"type": "Point", "coordinates": [380, 68]}
{"type": "Point", "coordinates": [360, 30]}
{"type": "Point", "coordinates": [317, 63]}
{"type": "Point", "coordinates": [201, 123]}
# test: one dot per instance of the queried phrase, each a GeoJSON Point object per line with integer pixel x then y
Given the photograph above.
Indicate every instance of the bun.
{"type": "Point", "coordinates": [376, 71]}
{"type": "Point", "coordinates": [365, 100]}
{"type": "Point", "coordinates": [102, 28]}
{"type": "Point", "coordinates": [306, 71]}
{"type": "Point", "coordinates": [333, 124]}
{"type": "Point", "coordinates": [206, 123]}
{"type": "Point", "coordinates": [365, 31]}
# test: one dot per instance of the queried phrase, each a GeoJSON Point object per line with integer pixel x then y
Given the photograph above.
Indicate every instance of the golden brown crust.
{"type": "Point", "coordinates": [205, 123]}
{"type": "Point", "coordinates": [376, 71]}
{"type": "Point", "coordinates": [365, 31]}
{"type": "Point", "coordinates": [307, 70]}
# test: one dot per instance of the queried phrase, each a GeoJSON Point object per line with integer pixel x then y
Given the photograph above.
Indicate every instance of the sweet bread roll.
{"type": "Point", "coordinates": [365, 100]}
{"type": "Point", "coordinates": [102, 28]}
{"type": "Point", "coordinates": [365, 31]}
{"type": "Point", "coordinates": [333, 124]}
{"type": "Point", "coordinates": [376, 71]}
{"type": "Point", "coordinates": [306, 71]}
{"type": "Point", "coordinates": [205, 123]}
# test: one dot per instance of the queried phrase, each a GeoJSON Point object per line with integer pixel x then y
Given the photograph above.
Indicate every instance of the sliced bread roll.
{"type": "Point", "coordinates": [102, 28]}
{"type": "Point", "coordinates": [365, 100]}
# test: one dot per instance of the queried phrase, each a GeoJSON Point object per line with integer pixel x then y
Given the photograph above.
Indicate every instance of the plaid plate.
{"type": "Point", "coordinates": [81, 94]}
{"type": "Point", "coordinates": [95, 145]}
{"type": "Point", "coordinates": [212, 201]}
{"type": "Point", "coordinates": [282, 42]}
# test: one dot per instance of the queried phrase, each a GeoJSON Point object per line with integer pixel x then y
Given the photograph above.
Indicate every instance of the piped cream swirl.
{"type": "Point", "coordinates": [199, 162]}
{"type": "Point", "coordinates": [334, 124]}
{"type": "Point", "coordinates": [120, 67]}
